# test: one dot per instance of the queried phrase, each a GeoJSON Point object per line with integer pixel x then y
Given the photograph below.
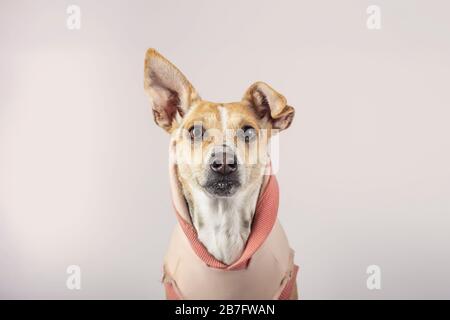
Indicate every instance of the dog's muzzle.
{"type": "Point", "coordinates": [223, 173]}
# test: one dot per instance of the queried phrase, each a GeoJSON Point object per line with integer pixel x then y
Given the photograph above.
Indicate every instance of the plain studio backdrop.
{"type": "Point", "coordinates": [364, 169]}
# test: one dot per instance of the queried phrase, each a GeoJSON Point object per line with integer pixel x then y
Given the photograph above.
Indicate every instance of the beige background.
{"type": "Point", "coordinates": [364, 173]}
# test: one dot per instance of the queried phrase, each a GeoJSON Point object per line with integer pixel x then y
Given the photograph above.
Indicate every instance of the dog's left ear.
{"type": "Point", "coordinates": [170, 92]}
{"type": "Point", "coordinates": [270, 105]}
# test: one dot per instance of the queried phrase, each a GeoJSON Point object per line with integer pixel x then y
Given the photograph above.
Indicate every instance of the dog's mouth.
{"type": "Point", "coordinates": [222, 187]}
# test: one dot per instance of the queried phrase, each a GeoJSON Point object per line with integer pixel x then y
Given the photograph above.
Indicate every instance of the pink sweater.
{"type": "Point", "coordinates": [265, 269]}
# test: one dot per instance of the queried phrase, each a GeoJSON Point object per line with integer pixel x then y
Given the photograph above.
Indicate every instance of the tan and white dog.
{"type": "Point", "coordinates": [219, 156]}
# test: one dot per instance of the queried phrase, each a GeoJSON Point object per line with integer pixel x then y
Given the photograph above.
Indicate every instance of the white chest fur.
{"type": "Point", "coordinates": [223, 224]}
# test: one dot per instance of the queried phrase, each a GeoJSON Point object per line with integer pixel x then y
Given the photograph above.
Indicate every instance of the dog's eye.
{"type": "Point", "coordinates": [196, 132]}
{"type": "Point", "coordinates": [247, 133]}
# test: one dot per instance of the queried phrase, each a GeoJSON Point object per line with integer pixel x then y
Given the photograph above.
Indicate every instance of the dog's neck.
{"type": "Point", "coordinates": [223, 224]}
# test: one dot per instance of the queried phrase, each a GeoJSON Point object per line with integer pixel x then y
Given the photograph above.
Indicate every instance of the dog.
{"type": "Point", "coordinates": [228, 243]}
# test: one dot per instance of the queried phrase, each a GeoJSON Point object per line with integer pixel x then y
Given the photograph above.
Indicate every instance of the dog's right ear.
{"type": "Point", "coordinates": [170, 92]}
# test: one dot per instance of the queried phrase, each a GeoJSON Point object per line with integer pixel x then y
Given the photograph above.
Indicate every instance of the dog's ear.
{"type": "Point", "coordinates": [269, 105]}
{"type": "Point", "coordinates": [170, 92]}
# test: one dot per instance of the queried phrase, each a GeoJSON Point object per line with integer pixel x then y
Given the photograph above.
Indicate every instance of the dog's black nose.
{"type": "Point", "coordinates": [224, 164]}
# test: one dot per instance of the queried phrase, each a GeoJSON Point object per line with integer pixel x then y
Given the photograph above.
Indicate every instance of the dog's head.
{"type": "Point", "coordinates": [220, 147]}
